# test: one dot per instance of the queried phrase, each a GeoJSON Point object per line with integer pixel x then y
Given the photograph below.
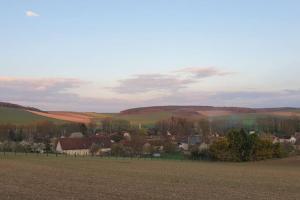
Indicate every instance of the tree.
{"type": "Point", "coordinates": [175, 125]}
{"type": "Point", "coordinates": [203, 128]}
{"type": "Point", "coordinates": [240, 145]}
{"type": "Point", "coordinates": [220, 150]}
{"type": "Point", "coordinates": [170, 147]}
{"type": "Point", "coordinates": [94, 148]}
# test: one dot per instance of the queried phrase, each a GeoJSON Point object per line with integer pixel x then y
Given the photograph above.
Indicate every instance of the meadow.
{"type": "Point", "coordinates": [42, 177]}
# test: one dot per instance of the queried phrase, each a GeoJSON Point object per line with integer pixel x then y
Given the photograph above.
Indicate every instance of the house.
{"type": "Point", "coordinates": [186, 142]}
{"type": "Point", "coordinates": [251, 132]}
{"type": "Point", "coordinates": [76, 135]}
{"type": "Point", "coordinates": [194, 140]}
{"type": "Point", "coordinates": [290, 140]}
{"type": "Point", "coordinates": [183, 146]}
{"type": "Point", "coordinates": [81, 146]}
{"type": "Point", "coordinates": [203, 146]}
{"type": "Point", "coordinates": [127, 136]}
{"type": "Point", "coordinates": [275, 140]}
{"type": "Point", "coordinates": [183, 143]}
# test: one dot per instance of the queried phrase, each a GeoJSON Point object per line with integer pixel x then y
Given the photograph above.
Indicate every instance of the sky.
{"type": "Point", "coordinates": [110, 55]}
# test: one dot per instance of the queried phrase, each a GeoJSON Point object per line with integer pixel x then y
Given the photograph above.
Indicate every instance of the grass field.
{"type": "Point", "coordinates": [146, 118]}
{"type": "Point", "coordinates": [18, 116]}
{"type": "Point", "coordinates": [41, 177]}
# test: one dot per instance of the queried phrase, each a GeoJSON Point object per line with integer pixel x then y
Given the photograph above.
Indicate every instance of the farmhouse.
{"type": "Point", "coordinates": [82, 146]}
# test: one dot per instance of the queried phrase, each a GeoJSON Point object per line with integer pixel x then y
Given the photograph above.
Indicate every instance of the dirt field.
{"type": "Point", "coordinates": [66, 116]}
{"type": "Point", "coordinates": [214, 113]}
{"type": "Point", "coordinates": [41, 177]}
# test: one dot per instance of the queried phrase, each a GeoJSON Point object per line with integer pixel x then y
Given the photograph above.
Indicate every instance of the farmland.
{"type": "Point", "coordinates": [41, 177]}
{"type": "Point", "coordinates": [147, 116]}
{"type": "Point", "coordinates": [67, 116]}
{"type": "Point", "coordinates": [19, 116]}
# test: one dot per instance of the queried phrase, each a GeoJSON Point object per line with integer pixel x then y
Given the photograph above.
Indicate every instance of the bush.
{"type": "Point", "coordinates": [220, 150]}
{"type": "Point", "coordinates": [239, 146]}
{"type": "Point", "coordinates": [121, 150]}
{"type": "Point", "coordinates": [170, 148]}
{"type": "Point", "coordinates": [199, 154]}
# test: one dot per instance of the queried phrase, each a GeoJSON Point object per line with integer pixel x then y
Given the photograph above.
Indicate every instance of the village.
{"type": "Point", "coordinates": [102, 144]}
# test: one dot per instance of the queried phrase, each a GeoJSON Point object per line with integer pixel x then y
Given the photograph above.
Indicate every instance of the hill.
{"type": "Point", "coordinates": [207, 109]}
{"type": "Point", "coordinates": [16, 106]}
{"type": "Point", "coordinates": [18, 114]}
{"type": "Point", "coordinates": [152, 114]}
{"type": "Point", "coordinates": [13, 115]}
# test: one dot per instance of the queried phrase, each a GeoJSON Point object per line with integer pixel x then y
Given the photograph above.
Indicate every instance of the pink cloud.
{"type": "Point", "coordinates": [202, 72]}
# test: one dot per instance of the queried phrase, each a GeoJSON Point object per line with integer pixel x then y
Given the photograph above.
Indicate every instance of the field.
{"type": "Point", "coordinates": [18, 116]}
{"type": "Point", "coordinates": [41, 177]}
{"type": "Point", "coordinates": [67, 116]}
{"type": "Point", "coordinates": [147, 116]}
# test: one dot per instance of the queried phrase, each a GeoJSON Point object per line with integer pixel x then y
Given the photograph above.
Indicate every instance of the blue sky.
{"type": "Point", "coordinates": [96, 55]}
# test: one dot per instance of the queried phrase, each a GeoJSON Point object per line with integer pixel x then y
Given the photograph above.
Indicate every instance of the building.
{"type": "Point", "coordinates": [76, 135]}
{"type": "Point", "coordinates": [194, 140]}
{"type": "Point", "coordinates": [81, 146]}
{"type": "Point", "coordinates": [291, 140]}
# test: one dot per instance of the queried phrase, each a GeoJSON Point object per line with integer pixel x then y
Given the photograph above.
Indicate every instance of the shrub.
{"type": "Point", "coordinates": [170, 148]}
{"type": "Point", "coordinates": [220, 150]}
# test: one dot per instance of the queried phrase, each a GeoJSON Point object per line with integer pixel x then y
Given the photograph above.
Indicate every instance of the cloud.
{"type": "Point", "coordinates": [38, 91]}
{"type": "Point", "coordinates": [38, 84]}
{"type": "Point", "coordinates": [55, 94]}
{"type": "Point", "coordinates": [167, 83]}
{"type": "Point", "coordinates": [151, 82]}
{"type": "Point", "coordinates": [64, 94]}
{"type": "Point", "coordinates": [202, 72]}
{"type": "Point", "coordinates": [243, 98]}
{"type": "Point", "coordinates": [30, 13]}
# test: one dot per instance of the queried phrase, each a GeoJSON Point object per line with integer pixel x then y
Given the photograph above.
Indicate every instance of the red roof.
{"type": "Point", "coordinates": [83, 143]}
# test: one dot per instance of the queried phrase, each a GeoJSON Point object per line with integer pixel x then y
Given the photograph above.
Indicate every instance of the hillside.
{"type": "Point", "coordinates": [16, 106]}
{"type": "Point", "coordinates": [13, 115]}
{"type": "Point", "coordinates": [245, 115]}
{"type": "Point", "coordinates": [18, 114]}
{"type": "Point", "coordinates": [206, 109]}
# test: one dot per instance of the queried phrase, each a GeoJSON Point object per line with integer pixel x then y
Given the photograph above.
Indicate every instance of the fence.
{"type": "Point", "coordinates": [180, 157]}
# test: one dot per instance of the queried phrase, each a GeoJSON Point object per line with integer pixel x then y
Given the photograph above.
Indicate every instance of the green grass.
{"type": "Point", "coordinates": [41, 177]}
{"type": "Point", "coordinates": [148, 118]}
{"type": "Point", "coordinates": [17, 116]}
{"type": "Point", "coordinates": [247, 120]}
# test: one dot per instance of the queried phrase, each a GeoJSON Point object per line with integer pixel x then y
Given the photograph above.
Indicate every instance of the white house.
{"type": "Point", "coordinates": [73, 146]}
{"type": "Point", "coordinates": [81, 146]}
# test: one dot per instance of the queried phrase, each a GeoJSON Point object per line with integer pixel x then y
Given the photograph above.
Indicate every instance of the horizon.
{"type": "Point", "coordinates": [158, 106]}
{"type": "Point", "coordinates": [99, 56]}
